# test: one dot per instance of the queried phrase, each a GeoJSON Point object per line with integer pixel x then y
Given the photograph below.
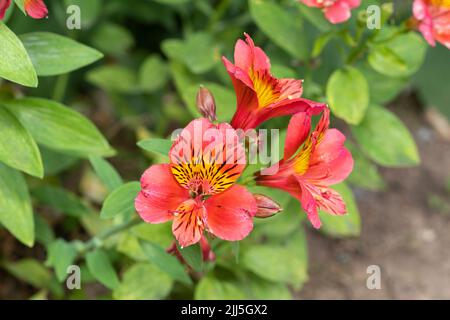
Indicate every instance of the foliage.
{"type": "Point", "coordinates": [79, 106]}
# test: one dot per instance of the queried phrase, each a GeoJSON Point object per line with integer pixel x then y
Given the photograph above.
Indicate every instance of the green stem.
{"type": "Point", "coordinates": [98, 241]}
{"type": "Point", "coordinates": [60, 87]}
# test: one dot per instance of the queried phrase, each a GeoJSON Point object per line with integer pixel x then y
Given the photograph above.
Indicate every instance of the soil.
{"type": "Point", "coordinates": [401, 232]}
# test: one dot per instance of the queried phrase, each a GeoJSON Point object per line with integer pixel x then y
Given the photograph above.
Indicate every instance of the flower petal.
{"type": "Point", "coordinates": [289, 107]}
{"type": "Point", "coordinates": [297, 131]}
{"type": "Point", "coordinates": [353, 3]}
{"type": "Point", "coordinates": [160, 196]}
{"type": "Point", "coordinates": [206, 158]}
{"type": "Point", "coordinates": [188, 222]}
{"type": "Point", "coordinates": [229, 214]}
{"type": "Point", "coordinates": [36, 8]}
{"type": "Point", "coordinates": [325, 198]}
{"type": "Point", "coordinates": [338, 12]}
{"type": "Point", "coordinates": [330, 162]}
{"type": "Point", "coordinates": [4, 5]}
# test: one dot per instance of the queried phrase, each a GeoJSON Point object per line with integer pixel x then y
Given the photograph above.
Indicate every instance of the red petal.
{"type": "Point", "coordinates": [160, 194]}
{"type": "Point", "coordinates": [353, 3]}
{"type": "Point", "coordinates": [330, 162]}
{"type": "Point", "coordinates": [188, 223]}
{"type": "Point", "coordinates": [259, 60]}
{"type": "Point", "coordinates": [325, 198]}
{"type": "Point", "coordinates": [229, 214]}
{"type": "Point", "coordinates": [338, 12]}
{"type": "Point", "coordinates": [297, 131]}
{"type": "Point", "coordinates": [207, 158]}
{"type": "Point", "coordinates": [4, 5]}
{"type": "Point", "coordinates": [289, 107]}
{"type": "Point", "coordinates": [36, 8]}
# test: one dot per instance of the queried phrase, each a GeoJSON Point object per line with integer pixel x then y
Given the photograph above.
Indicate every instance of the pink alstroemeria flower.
{"type": "Point", "coordinates": [260, 96]}
{"type": "Point", "coordinates": [307, 174]}
{"type": "Point", "coordinates": [197, 190]}
{"type": "Point", "coordinates": [433, 20]}
{"type": "Point", "coordinates": [336, 11]}
{"type": "Point", "coordinates": [34, 8]}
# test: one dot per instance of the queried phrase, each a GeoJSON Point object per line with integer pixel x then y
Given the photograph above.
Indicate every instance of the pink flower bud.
{"type": "Point", "coordinates": [266, 206]}
{"type": "Point", "coordinates": [206, 104]}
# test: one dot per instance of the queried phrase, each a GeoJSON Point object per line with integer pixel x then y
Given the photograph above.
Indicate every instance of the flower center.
{"type": "Point", "coordinates": [441, 3]}
{"type": "Point", "coordinates": [265, 87]}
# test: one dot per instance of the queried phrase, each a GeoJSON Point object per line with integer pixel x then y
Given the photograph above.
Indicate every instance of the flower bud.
{"type": "Point", "coordinates": [206, 104]}
{"type": "Point", "coordinates": [266, 206]}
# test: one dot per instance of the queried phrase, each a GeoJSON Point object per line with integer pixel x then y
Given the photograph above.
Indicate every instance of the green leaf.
{"type": "Point", "coordinates": [165, 262]}
{"type": "Point", "coordinates": [53, 54]}
{"type": "Point", "coordinates": [261, 289]}
{"type": "Point", "coordinates": [17, 148]}
{"type": "Point", "coordinates": [44, 233]}
{"type": "Point", "coordinates": [106, 173]}
{"type": "Point", "coordinates": [320, 43]}
{"type": "Point", "coordinates": [224, 97]}
{"type": "Point", "coordinates": [198, 51]}
{"type": "Point", "coordinates": [399, 57]}
{"type": "Point", "coordinates": [193, 256]}
{"type": "Point", "coordinates": [382, 89]}
{"type": "Point", "coordinates": [143, 281]}
{"type": "Point", "coordinates": [114, 78]}
{"type": "Point", "coordinates": [348, 94]}
{"type": "Point", "coordinates": [160, 146]}
{"type": "Point", "coordinates": [161, 234]}
{"type": "Point", "coordinates": [61, 200]}
{"type": "Point", "coordinates": [58, 127]}
{"type": "Point", "coordinates": [365, 174]}
{"type": "Point", "coordinates": [121, 201]}
{"type": "Point", "coordinates": [342, 226]}
{"type": "Point", "coordinates": [102, 269]}
{"type": "Point", "coordinates": [153, 74]}
{"type": "Point", "coordinates": [316, 17]}
{"type": "Point", "coordinates": [32, 272]}
{"type": "Point", "coordinates": [385, 139]}
{"type": "Point", "coordinates": [282, 27]}
{"type": "Point", "coordinates": [211, 288]}
{"type": "Point", "coordinates": [435, 70]}
{"type": "Point", "coordinates": [15, 64]}
{"type": "Point", "coordinates": [61, 255]}
{"type": "Point", "coordinates": [56, 162]}
{"type": "Point", "coordinates": [282, 223]}
{"type": "Point", "coordinates": [90, 11]}
{"type": "Point", "coordinates": [106, 38]}
{"type": "Point", "coordinates": [275, 263]}
{"type": "Point", "coordinates": [16, 214]}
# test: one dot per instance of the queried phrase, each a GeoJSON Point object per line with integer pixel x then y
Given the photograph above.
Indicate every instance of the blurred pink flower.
{"type": "Point", "coordinates": [197, 190]}
{"type": "Point", "coordinates": [307, 174]}
{"type": "Point", "coordinates": [432, 18]}
{"type": "Point", "coordinates": [260, 96]}
{"type": "Point", "coordinates": [34, 8]}
{"type": "Point", "coordinates": [336, 11]}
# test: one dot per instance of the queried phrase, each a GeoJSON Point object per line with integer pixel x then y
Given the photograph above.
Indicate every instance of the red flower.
{"type": "Point", "coordinates": [322, 161]}
{"type": "Point", "coordinates": [34, 8]}
{"type": "Point", "coordinates": [433, 20]}
{"type": "Point", "coordinates": [196, 190]}
{"type": "Point", "coordinates": [336, 11]}
{"type": "Point", "coordinates": [260, 96]}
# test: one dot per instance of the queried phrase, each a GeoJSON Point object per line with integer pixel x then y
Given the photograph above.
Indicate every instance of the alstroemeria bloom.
{"type": "Point", "coordinates": [260, 96]}
{"type": "Point", "coordinates": [34, 8]}
{"type": "Point", "coordinates": [307, 174]}
{"type": "Point", "coordinates": [197, 190]}
{"type": "Point", "coordinates": [433, 19]}
{"type": "Point", "coordinates": [336, 11]}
